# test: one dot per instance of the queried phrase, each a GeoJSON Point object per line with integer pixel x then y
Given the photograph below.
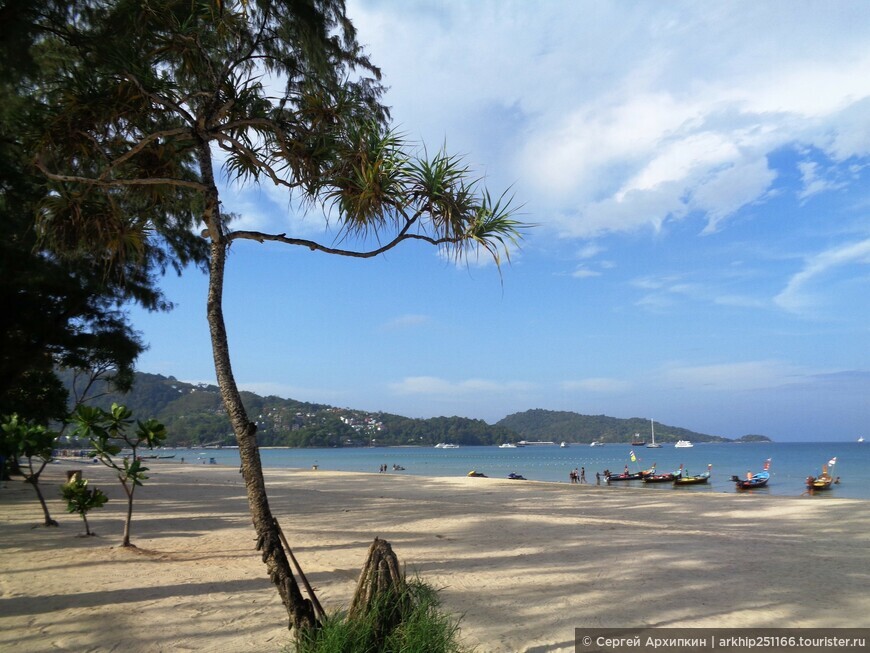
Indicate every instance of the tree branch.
{"type": "Point", "coordinates": [404, 234]}
{"type": "Point", "coordinates": [149, 181]}
{"type": "Point", "coordinates": [133, 151]}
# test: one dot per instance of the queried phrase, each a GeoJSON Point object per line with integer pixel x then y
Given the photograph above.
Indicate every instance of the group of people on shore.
{"type": "Point", "coordinates": [578, 477]}
{"type": "Point", "coordinates": [396, 468]}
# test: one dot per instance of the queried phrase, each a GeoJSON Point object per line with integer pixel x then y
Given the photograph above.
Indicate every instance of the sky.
{"type": "Point", "coordinates": [697, 177]}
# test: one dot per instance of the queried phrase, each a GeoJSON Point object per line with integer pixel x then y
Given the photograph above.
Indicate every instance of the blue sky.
{"type": "Point", "coordinates": [698, 174]}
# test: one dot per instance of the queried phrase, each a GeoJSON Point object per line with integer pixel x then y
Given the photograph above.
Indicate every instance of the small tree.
{"type": "Point", "coordinates": [82, 499]}
{"type": "Point", "coordinates": [33, 442]}
{"type": "Point", "coordinates": [108, 434]}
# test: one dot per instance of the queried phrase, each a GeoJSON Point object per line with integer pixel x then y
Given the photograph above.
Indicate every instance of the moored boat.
{"type": "Point", "coordinates": [624, 476]}
{"type": "Point", "coordinates": [507, 445]}
{"type": "Point", "coordinates": [653, 444]}
{"type": "Point", "coordinates": [823, 481]}
{"type": "Point", "coordinates": [751, 481]}
{"type": "Point", "coordinates": [667, 477]}
{"type": "Point", "coordinates": [686, 479]}
{"type": "Point", "coordinates": [684, 444]}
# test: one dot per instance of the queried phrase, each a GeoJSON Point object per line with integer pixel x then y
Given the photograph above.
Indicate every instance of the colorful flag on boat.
{"type": "Point", "coordinates": [832, 461]}
{"type": "Point", "coordinates": [632, 456]}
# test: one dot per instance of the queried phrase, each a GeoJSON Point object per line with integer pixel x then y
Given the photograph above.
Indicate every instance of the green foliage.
{"type": "Point", "coordinates": [81, 499]}
{"type": "Point", "coordinates": [65, 308]}
{"type": "Point", "coordinates": [753, 438]}
{"type": "Point", "coordinates": [21, 438]}
{"type": "Point", "coordinates": [24, 439]}
{"type": "Point", "coordinates": [553, 425]}
{"type": "Point", "coordinates": [109, 433]}
{"type": "Point", "coordinates": [423, 627]}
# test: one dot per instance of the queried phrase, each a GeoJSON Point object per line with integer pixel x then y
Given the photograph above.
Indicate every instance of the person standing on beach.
{"type": "Point", "coordinates": [582, 474]}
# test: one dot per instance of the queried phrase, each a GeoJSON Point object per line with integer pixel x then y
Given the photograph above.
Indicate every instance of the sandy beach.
{"type": "Point", "coordinates": [523, 562]}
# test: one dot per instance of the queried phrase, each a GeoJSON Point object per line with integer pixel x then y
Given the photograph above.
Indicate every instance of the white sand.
{"type": "Point", "coordinates": [524, 562]}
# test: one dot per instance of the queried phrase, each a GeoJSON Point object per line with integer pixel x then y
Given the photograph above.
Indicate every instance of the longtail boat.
{"type": "Point", "coordinates": [824, 480]}
{"type": "Point", "coordinates": [630, 476]}
{"type": "Point", "coordinates": [751, 481]}
{"type": "Point", "coordinates": [686, 479]}
{"type": "Point", "coordinates": [667, 477]}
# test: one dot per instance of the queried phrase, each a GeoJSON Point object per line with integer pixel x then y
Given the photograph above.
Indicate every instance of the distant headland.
{"type": "Point", "coordinates": [194, 416]}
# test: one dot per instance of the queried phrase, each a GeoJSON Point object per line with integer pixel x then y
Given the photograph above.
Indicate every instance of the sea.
{"type": "Point", "coordinates": [791, 463]}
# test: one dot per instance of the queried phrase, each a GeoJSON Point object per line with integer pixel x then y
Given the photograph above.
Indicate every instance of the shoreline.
{"type": "Point", "coordinates": [616, 487]}
{"type": "Point", "coordinates": [551, 556]}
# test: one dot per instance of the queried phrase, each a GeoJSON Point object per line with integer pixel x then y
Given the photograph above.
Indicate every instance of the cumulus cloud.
{"type": "Point", "coordinates": [612, 120]}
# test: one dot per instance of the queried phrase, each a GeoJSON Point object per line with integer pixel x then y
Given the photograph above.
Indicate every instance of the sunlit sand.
{"type": "Point", "coordinates": [523, 562]}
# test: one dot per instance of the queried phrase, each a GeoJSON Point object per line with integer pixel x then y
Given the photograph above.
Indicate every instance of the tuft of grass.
{"type": "Point", "coordinates": [413, 619]}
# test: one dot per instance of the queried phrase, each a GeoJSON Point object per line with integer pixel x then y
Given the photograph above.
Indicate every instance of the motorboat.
{"type": "Point", "coordinates": [683, 444]}
{"type": "Point", "coordinates": [507, 445]}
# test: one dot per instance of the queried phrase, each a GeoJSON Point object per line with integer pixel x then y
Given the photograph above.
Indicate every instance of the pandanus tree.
{"type": "Point", "coordinates": [148, 99]}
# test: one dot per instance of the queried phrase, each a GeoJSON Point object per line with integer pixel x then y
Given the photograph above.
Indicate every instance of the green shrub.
{"type": "Point", "coordinates": [421, 626]}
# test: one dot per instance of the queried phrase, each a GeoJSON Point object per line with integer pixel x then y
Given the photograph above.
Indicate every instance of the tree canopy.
{"type": "Point", "coordinates": [142, 101]}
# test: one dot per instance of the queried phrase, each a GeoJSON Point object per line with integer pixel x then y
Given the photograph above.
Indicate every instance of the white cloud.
{"type": "Point", "coordinates": [405, 322]}
{"type": "Point", "coordinates": [430, 385]}
{"type": "Point", "coordinates": [796, 295]}
{"type": "Point", "coordinates": [750, 375]}
{"type": "Point", "coordinates": [584, 273]}
{"type": "Point", "coordinates": [613, 120]}
{"type": "Point", "coordinates": [589, 250]}
{"type": "Point", "coordinates": [599, 385]}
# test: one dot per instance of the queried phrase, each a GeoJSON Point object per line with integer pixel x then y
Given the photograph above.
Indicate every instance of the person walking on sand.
{"type": "Point", "coordinates": [573, 475]}
{"type": "Point", "coordinates": [582, 474]}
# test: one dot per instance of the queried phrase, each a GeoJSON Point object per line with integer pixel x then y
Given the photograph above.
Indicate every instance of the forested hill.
{"type": "Point", "coordinates": [194, 415]}
{"type": "Point", "coordinates": [541, 424]}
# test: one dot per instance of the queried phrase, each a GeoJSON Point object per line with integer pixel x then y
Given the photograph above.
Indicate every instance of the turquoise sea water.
{"type": "Point", "coordinates": [791, 463]}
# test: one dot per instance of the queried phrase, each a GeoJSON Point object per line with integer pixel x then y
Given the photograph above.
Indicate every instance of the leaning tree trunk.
{"type": "Point", "coordinates": [299, 609]}
{"type": "Point", "coordinates": [34, 481]}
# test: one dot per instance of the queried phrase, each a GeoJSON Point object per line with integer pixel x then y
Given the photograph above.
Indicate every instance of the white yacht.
{"type": "Point", "coordinates": [683, 444]}
{"type": "Point", "coordinates": [507, 445]}
{"type": "Point", "coordinates": [653, 444]}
